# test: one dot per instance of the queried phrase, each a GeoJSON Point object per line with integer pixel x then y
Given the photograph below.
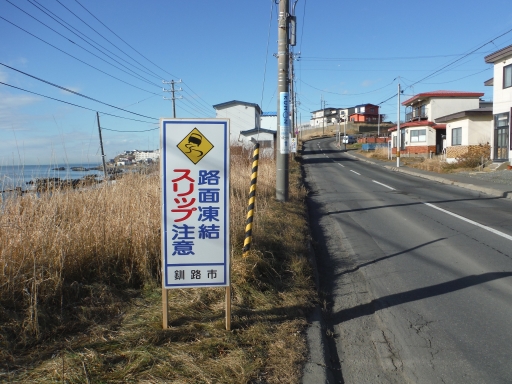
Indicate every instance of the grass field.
{"type": "Point", "coordinates": [80, 297]}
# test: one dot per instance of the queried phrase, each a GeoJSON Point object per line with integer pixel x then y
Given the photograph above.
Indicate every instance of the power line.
{"type": "Point", "coordinates": [460, 58]}
{"type": "Point", "coordinates": [74, 92]}
{"type": "Point", "coordinates": [78, 45]}
{"type": "Point", "coordinates": [124, 40]}
{"type": "Point", "coordinates": [348, 94]}
{"type": "Point", "coordinates": [314, 58]}
{"type": "Point", "coordinates": [76, 58]}
{"type": "Point", "coordinates": [74, 14]}
{"type": "Point", "coordinates": [266, 53]}
{"type": "Point", "coordinates": [156, 65]}
{"type": "Point", "coordinates": [76, 105]}
{"type": "Point", "coordinates": [117, 130]}
{"type": "Point", "coordinates": [39, 7]}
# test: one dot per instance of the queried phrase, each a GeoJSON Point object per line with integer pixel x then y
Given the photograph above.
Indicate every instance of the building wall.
{"type": "Point", "coordinates": [269, 122]}
{"type": "Point", "coordinates": [502, 98]}
{"type": "Point", "coordinates": [438, 107]}
{"type": "Point", "coordinates": [241, 118]}
{"type": "Point", "coordinates": [475, 131]}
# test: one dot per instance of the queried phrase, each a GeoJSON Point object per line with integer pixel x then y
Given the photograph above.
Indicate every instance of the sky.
{"type": "Point", "coordinates": [347, 53]}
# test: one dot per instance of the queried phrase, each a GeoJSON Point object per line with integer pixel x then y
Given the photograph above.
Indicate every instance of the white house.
{"type": "Point", "coordinates": [242, 117]}
{"type": "Point", "coordinates": [467, 132]}
{"type": "Point", "coordinates": [422, 134]}
{"type": "Point", "coordinates": [502, 103]}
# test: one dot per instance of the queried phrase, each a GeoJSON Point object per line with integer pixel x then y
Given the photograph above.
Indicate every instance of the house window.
{"type": "Point", "coordinates": [418, 135]}
{"type": "Point", "coordinates": [507, 76]}
{"type": "Point", "coordinates": [456, 136]}
{"type": "Point", "coordinates": [501, 120]}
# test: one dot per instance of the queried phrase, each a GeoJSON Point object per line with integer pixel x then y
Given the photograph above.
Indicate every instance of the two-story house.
{"type": "Point", "coordinates": [422, 134]}
{"type": "Point", "coordinates": [324, 117]}
{"type": "Point", "coordinates": [244, 122]}
{"type": "Point", "coordinates": [365, 113]}
{"type": "Point", "coordinates": [502, 103]}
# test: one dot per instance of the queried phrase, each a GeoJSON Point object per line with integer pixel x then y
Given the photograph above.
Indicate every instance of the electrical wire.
{"type": "Point", "coordinates": [348, 94]}
{"type": "Point", "coordinates": [117, 130]}
{"type": "Point", "coordinates": [313, 58]}
{"type": "Point", "coordinates": [266, 53]}
{"type": "Point", "coordinates": [466, 55]}
{"type": "Point", "coordinates": [39, 7]}
{"type": "Point", "coordinates": [76, 105]}
{"type": "Point", "coordinates": [156, 65]}
{"type": "Point", "coordinates": [74, 92]}
{"type": "Point", "coordinates": [76, 58]}
{"type": "Point", "coordinates": [78, 45]}
{"type": "Point", "coordinates": [142, 65]}
{"type": "Point", "coordinates": [124, 40]}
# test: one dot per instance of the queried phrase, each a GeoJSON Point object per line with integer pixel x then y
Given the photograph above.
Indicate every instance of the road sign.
{"type": "Point", "coordinates": [195, 202]}
{"type": "Point", "coordinates": [293, 145]}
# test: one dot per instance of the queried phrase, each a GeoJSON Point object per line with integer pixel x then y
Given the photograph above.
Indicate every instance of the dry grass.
{"type": "Point", "coordinates": [80, 299]}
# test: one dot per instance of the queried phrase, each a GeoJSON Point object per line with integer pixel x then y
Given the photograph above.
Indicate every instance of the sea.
{"type": "Point", "coordinates": [13, 176]}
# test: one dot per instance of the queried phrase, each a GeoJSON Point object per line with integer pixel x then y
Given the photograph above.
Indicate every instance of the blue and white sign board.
{"type": "Point", "coordinates": [195, 202]}
{"type": "Point", "coordinates": [284, 123]}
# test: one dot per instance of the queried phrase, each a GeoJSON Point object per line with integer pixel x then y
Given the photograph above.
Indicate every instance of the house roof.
{"type": "Point", "coordinates": [489, 82]}
{"type": "Point", "coordinates": [423, 123]}
{"type": "Point", "coordinates": [364, 105]}
{"type": "Point", "coordinates": [268, 113]}
{"type": "Point", "coordinates": [425, 95]}
{"type": "Point", "coordinates": [487, 111]}
{"type": "Point", "coordinates": [499, 55]}
{"type": "Point", "coordinates": [236, 102]}
{"type": "Point", "coordinates": [254, 131]}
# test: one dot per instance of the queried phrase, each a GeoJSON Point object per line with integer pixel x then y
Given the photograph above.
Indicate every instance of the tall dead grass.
{"type": "Point", "coordinates": [80, 297]}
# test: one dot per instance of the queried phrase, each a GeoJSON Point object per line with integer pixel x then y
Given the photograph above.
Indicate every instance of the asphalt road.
{"type": "Point", "coordinates": [416, 275]}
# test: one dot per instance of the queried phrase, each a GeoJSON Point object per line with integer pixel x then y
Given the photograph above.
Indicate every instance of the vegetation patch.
{"type": "Point", "coordinates": [80, 296]}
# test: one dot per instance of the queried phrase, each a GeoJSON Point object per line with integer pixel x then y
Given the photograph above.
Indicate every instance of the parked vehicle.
{"type": "Point", "coordinates": [349, 139]}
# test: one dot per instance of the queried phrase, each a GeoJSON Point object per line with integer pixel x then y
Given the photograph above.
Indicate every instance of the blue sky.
{"type": "Point", "coordinates": [350, 53]}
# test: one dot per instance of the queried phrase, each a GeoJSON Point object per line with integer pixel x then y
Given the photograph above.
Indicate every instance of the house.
{"type": "Point", "coordinates": [422, 134]}
{"type": "Point", "coordinates": [243, 116]}
{"type": "Point", "coordinates": [467, 132]}
{"type": "Point", "coordinates": [502, 103]}
{"type": "Point", "coordinates": [365, 113]}
{"type": "Point", "coordinates": [324, 117]}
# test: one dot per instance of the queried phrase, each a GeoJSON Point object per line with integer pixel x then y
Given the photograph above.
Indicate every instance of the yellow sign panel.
{"type": "Point", "coordinates": [195, 146]}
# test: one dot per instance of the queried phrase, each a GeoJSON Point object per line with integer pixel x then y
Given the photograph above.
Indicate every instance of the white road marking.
{"type": "Point", "coordinates": [508, 237]}
{"type": "Point", "coordinates": [341, 165]}
{"type": "Point", "coordinates": [384, 185]}
{"type": "Point", "coordinates": [355, 172]}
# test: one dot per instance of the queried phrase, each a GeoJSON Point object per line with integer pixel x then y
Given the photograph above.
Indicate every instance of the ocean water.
{"type": "Point", "coordinates": [12, 176]}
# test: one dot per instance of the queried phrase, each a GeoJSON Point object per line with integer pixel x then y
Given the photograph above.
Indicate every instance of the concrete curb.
{"type": "Point", "coordinates": [316, 368]}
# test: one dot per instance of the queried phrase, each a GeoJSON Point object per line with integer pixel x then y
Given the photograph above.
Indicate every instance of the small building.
{"type": "Point", "coordinates": [467, 132]}
{"type": "Point", "coordinates": [419, 138]}
{"type": "Point", "coordinates": [502, 103]}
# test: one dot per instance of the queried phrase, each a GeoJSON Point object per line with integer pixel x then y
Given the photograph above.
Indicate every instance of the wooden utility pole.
{"type": "Point", "coordinates": [101, 145]}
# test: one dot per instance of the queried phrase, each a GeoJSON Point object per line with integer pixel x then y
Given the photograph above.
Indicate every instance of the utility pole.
{"type": "Point", "coordinates": [322, 106]}
{"type": "Point", "coordinates": [172, 90]}
{"type": "Point", "coordinates": [345, 132]}
{"type": "Point", "coordinates": [101, 146]}
{"type": "Point", "coordinates": [378, 121]}
{"type": "Point", "coordinates": [283, 104]}
{"type": "Point", "coordinates": [398, 133]}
